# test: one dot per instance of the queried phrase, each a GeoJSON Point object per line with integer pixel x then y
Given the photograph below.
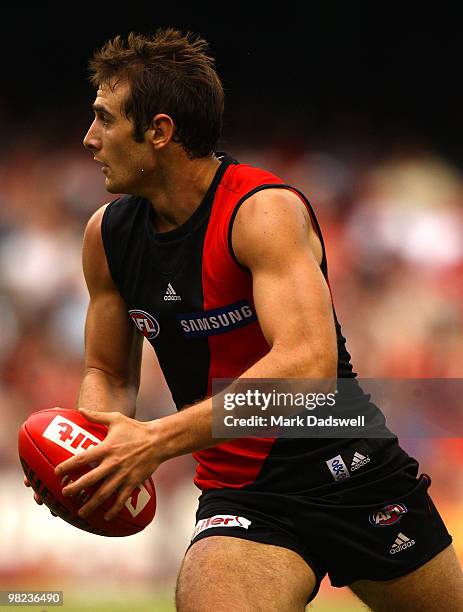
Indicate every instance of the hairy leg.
{"type": "Point", "coordinates": [435, 586]}
{"type": "Point", "coordinates": [227, 574]}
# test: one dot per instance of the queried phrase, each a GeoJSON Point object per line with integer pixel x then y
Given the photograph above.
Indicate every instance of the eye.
{"type": "Point", "coordinates": [104, 118]}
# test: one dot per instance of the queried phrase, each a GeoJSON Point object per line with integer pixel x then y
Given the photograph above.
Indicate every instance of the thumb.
{"type": "Point", "coordinates": [96, 416]}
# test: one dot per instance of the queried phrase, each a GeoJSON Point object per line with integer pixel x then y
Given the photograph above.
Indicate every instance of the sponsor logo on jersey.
{"type": "Point", "coordinates": [146, 323]}
{"type": "Point", "coordinates": [401, 543]}
{"type": "Point", "coordinates": [74, 439]}
{"type": "Point", "coordinates": [358, 461]}
{"type": "Point", "coordinates": [220, 520]}
{"type": "Point", "coordinates": [338, 468]}
{"type": "Point", "coordinates": [388, 515]}
{"type": "Point", "coordinates": [217, 321]}
{"type": "Point", "coordinates": [171, 295]}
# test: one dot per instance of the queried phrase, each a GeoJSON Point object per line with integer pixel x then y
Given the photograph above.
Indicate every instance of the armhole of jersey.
{"type": "Point", "coordinates": [106, 240]}
{"type": "Point", "coordinates": [313, 219]}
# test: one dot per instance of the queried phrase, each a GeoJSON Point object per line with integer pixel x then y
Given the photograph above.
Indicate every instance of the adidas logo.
{"type": "Point", "coordinates": [358, 461]}
{"type": "Point", "coordinates": [171, 295]}
{"type": "Point", "coordinates": [401, 543]}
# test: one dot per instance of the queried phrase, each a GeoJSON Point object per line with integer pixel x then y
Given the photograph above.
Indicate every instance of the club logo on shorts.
{"type": "Point", "coordinates": [388, 515]}
{"type": "Point", "coordinates": [338, 468]}
{"type": "Point", "coordinates": [146, 323]}
{"type": "Point", "coordinates": [401, 543]}
{"type": "Point", "coordinates": [220, 520]}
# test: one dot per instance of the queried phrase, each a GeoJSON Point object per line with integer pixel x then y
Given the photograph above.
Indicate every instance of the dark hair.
{"type": "Point", "coordinates": [168, 72]}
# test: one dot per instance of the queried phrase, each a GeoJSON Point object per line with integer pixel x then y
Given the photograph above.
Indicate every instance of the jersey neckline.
{"type": "Point", "coordinates": [199, 214]}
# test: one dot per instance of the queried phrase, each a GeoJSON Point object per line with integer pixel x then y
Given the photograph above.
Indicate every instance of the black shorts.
{"type": "Point", "coordinates": [377, 527]}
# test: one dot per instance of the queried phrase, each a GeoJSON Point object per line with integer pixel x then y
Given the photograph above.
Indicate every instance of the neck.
{"type": "Point", "coordinates": [180, 190]}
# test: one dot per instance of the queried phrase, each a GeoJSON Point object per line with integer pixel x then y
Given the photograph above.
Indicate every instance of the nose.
{"type": "Point", "coordinates": [91, 139]}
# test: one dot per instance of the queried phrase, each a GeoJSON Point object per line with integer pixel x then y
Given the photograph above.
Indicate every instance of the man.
{"type": "Point", "coordinates": [201, 237]}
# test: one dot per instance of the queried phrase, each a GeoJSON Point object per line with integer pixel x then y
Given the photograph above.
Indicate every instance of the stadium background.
{"type": "Point", "coordinates": [362, 112]}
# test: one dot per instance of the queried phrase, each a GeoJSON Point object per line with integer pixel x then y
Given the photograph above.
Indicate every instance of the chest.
{"type": "Point", "coordinates": [192, 288]}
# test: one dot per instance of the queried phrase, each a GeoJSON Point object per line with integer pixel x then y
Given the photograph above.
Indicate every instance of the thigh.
{"type": "Point", "coordinates": [228, 574]}
{"type": "Point", "coordinates": [435, 586]}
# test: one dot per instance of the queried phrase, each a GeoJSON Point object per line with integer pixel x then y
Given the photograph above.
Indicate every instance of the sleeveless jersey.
{"type": "Point", "coordinates": [193, 301]}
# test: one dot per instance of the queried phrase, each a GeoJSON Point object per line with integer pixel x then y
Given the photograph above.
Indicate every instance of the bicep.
{"type": "Point", "coordinates": [274, 238]}
{"type": "Point", "coordinates": [112, 342]}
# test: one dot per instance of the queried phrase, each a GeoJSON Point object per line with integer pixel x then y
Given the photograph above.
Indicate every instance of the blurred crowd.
{"type": "Point", "coordinates": [393, 228]}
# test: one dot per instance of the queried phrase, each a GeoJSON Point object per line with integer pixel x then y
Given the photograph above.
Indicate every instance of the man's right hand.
{"type": "Point", "coordinates": [37, 497]}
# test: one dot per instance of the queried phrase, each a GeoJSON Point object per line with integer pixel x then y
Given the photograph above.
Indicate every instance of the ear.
{"type": "Point", "coordinates": [162, 131]}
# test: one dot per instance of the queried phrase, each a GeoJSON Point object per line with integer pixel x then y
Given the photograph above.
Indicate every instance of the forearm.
{"type": "Point", "coordinates": [191, 429]}
{"type": "Point", "coordinates": [101, 391]}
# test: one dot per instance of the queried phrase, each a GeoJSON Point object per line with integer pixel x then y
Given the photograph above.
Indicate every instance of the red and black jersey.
{"type": "Point", "coordinates": [193, 301]}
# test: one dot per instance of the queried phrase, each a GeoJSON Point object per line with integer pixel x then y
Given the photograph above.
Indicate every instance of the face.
{"type": "Point", "coordinates": [127, 164]}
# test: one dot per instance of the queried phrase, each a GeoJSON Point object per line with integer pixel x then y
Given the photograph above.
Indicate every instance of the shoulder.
{"type": "Point", "coordinates": [116, 212]}
{"type": "Point", "coordinates": [272, 205]}
{"type": "Point", "coordinates": [94, 230]}
{"type": "Point", "coordinates": [108, 223]}
{"type": "Point", "coordinates": [109, 231]}
{"type": "Point", "coordinates": [94, 223]}
{"type": "Point", "coordinates": [93, 250]}
{"type": "Point", "coordinates": [273, 221]}
{"type": "Point", "coordinates": [95, 265]}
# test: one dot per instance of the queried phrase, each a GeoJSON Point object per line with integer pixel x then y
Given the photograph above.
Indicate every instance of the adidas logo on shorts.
{"type": "Point", "coordinates": [401, 543]}
{"type": "Point", "coordinates": [358, 461]}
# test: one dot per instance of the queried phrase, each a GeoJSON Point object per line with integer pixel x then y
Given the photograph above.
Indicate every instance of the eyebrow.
{"type": "Point", "coordinates": [99, 108]}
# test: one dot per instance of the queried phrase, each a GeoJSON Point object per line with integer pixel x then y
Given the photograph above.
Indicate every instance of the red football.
{"type": "Point", "coordinates": [49, 437]}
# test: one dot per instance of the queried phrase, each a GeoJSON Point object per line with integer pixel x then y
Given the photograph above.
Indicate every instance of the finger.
{"type": "Point", "coordinates": [52, 513]}
{"type": "Point", "coordinates": [109, 487]}
{"type": "Point", "coordinates": [87, 457]}
{"type": "Point", "coordinates": [89, 479]}
{"type": "Point", "coordinates": [124, 494]}
{"type": "Point", "coordinates": [38, 499]}
{"type": "Point", "coordinates": [98, 417]}
{"type": "Point", "coordinates": [26, 482]}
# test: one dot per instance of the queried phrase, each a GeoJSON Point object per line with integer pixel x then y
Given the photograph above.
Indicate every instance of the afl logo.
{"type": "Point", "coordinates": [388, 515]}
{"type": "Point", "coordinates": [146, 323]}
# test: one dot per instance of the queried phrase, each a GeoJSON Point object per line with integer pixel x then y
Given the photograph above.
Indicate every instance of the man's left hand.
{"type": "Point", "coordinates": [124, 460]}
